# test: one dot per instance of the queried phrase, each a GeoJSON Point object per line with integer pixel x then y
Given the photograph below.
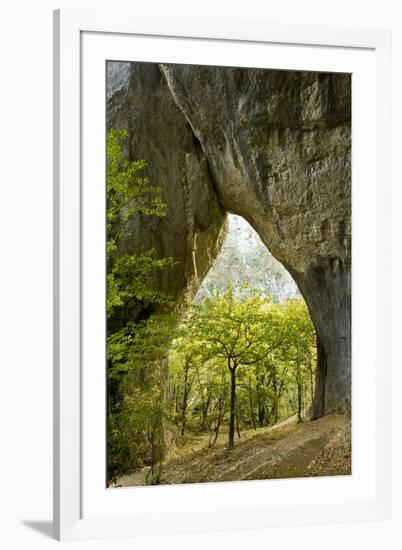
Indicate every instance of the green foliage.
{"type": "Point", "coordinates": [137, 357]}
{"type": "Point", "coordinates": [128, 281]}
{"type": "Point", "coordinates": [129, 193]}
{"type": "Point", "coordinates": [271, 347]}
{"type": "Point", "coordinates": [243, 330]}
{"type": "Point", "coordinates": [134, 350]}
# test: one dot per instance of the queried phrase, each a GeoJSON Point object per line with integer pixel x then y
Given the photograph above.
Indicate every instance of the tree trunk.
{"type": "Point", "coordinates": [299, 386]}
{"type": "Point", "coordinates": [320, 377]}
{"type": "Point", "coordinates": [311, 380]}
{"type": "Point", "coordinates": [299, 393]}
{"type": "Point", "coordinates": [232, 405]}
{"type": "Point", "coordinates": [261, 414]}
{"type": "Point", "coordinates": [252, 411]}
{"type": "Point", "coordinates": [159, 426]}
{"type": "Point", "coordinates": [299, 402]}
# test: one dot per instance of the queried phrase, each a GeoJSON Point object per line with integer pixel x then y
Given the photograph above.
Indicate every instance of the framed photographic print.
{"type": "Point", "coordinates": [222, 275]}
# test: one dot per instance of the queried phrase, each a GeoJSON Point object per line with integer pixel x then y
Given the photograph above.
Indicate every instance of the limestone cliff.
{"type": "Point", "coordinates": [271, 146]}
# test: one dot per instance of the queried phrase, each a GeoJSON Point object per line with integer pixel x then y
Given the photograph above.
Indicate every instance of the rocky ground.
{"type": "Point", "coordinates": [287, 450]}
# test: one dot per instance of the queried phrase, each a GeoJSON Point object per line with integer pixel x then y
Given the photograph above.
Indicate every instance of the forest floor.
{"type": "Point", "coordinates": [287, 450]}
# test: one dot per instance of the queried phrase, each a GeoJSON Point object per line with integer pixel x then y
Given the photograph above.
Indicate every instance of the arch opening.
{"type": "Point", "coordinates": [244, 260]}
{"type": "Point", "coordinates": [244, 356]}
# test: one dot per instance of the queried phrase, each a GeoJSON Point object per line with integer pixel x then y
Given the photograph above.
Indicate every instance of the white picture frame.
{"type": "Point", "coordinates": [83, 507]}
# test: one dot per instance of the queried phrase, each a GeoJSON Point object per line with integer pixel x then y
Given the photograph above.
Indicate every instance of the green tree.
{"type": "Point", "coordinates": [279, 378]}
{"type": "Point", "coordinates": [129, 192]}
{"type": "Point", "coordinates": [300, 351]}
{"type": "Point", "coordinates": [241, 331]}
{"type": "Point", "coordinates": [135, 403]}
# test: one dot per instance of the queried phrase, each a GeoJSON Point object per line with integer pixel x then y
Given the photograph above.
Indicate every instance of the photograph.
{"type": "Point", "coordinates": [228, 274]}
{"type": "Point", "coordinates": [201, 283]}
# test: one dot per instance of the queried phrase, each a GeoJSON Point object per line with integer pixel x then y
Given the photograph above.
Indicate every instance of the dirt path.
{"type": "Point", "coordinates": [286, 450]}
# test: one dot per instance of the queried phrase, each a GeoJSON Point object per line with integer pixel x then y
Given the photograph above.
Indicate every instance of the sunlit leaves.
{"type": "Point", "coordinates": [271, 344]}
{"type": "Point", "coordinates": [134, 350]}
{"type": "Point", "coordinates": [128, 190]}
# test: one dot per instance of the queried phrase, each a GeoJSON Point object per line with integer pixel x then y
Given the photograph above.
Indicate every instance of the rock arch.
{"type": "Point", "coordinates": [271, 146]}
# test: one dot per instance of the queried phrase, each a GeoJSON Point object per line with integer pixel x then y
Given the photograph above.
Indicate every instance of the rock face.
{"type": "Point", "coordinates": [271, 146]}
{"type": "Point", "coordinates": [160, 134]}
